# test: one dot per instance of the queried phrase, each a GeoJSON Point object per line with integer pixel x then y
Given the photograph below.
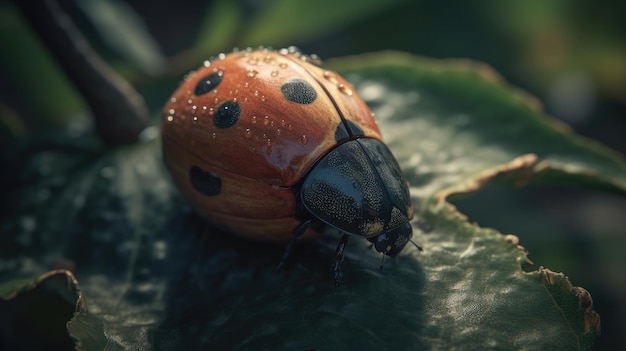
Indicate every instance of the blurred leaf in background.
{"type": "Point", "coordinates": [572, 54]}
{"type": "Point", "coordinates": [35, 94]}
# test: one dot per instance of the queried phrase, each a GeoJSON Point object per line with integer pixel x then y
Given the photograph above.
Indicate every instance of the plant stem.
{"type": "Point", "coordinates": [118, 110]}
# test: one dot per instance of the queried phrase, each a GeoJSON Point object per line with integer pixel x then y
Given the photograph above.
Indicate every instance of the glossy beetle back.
{"type": "Point", "coordinates": [358, 188]}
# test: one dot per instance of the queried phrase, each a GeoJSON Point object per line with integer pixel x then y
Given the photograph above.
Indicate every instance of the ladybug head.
{"type": "Point", "coordinates": [393, 241]}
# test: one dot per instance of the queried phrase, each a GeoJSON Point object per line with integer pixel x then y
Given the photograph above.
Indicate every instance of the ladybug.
{"type": "Point", "coordinates": [271, 146]}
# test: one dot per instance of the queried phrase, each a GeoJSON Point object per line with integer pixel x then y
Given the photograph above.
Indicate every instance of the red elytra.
{"type": "Point", "coordinates": [262, 156]}
{"type": "Point", "coordinates": [268, 145]}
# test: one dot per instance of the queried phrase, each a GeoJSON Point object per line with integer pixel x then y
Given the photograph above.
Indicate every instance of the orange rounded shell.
{"type": "Point", "coordinates": [250, 125]}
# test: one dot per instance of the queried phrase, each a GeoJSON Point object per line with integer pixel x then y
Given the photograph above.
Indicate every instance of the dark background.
{"type": "Point", "coordinates": [570, 54]}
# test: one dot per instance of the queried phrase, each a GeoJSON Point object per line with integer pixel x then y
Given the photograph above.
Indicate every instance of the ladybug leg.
{"type": "Point", "coordinates": [298, 232]}
{"type": "Point", "coordinates": [339, 253]}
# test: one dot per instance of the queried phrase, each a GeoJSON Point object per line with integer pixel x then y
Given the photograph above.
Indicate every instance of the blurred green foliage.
{"type": "Point", "coordinates": [572, 54]}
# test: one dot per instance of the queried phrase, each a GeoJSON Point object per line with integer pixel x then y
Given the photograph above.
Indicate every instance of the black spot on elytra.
{"type": "Point", "coordinates": [208, 83]}
{"type": "Point", "coordinates": [299, 91]}
{"type": "Point", "coordinates": [342, 133]}
{"type": "Point", "coordinates": [206, 183]}
{"type": "Point", "coordinates": [227, 114]}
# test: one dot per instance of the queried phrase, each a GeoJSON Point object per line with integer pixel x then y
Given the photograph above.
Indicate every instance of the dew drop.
{"type": "Point", "coordinates": [214, 135]}
{"type": "Point", "coordinates": [211, 111]}
{"type": "Point", "coordinates": [195, 119]}
{"type": "Point", "coordinates": [304, 139]}
{"type": "Point", "coordinates": [316, 59]}
{"type": "Point", "coordinates": [267, 59]}
{"type": "Point", "coordinates": [274, 73]}
{"type": "Point", "coordinates": [172, 111]}
{"type": "Point", "coordinates": [344, 89]}
{"type": "Point", "coordinates": [283, 65]}
{"type": "Point", "coordinates": [170, 118]}
{"type": "Point", "coordinates": [263, 98]}
{"type": "Point", "coordinates": [256, 93]}
{"type": "Point", "coordinates": [278, 132]}
{"type": "Point", "coordinates": [248, 133]}
{"type": "Point", "coordinates": [266, 120]}
{"type": "Point", "coordinates": [173, 99]}
{"type": "Point", "coordinates": [330, 76]}
{"type": "Point", "coordinates": [246, 85]}
{"type": "Point", "coordinates": [268, 142]}
{"type": "Point", "coordinates": [253, 60]}
{"type": "Point", "coordinates": [194, 108]}
{"type": "Point", "coordinates": [221, 56]}
{"type": "Point", "coordinates": [253, 121]}
{"type": "Point", "coordinates": [190, 102]}
{"type": "Point", "coordinates": [206, 63]}
{"type": "Point", "coordinates": [216, 100]}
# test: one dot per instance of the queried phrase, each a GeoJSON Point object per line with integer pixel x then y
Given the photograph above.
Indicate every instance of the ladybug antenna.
{"type": "Point", "coordinates": [382, 261]}
{"type": "Point", "coordinates": [412, 242]}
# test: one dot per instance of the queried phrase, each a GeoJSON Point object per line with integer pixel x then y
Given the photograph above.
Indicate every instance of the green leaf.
{"type": "Point", "coordinates": [61, 102]}
{"type": "Point", "coordinates": [124, 30]}
{"type": "Point", "coordinates": [154, 275]}
{"type": "Point", "coordinates": [280, 22]}
{"type": "Point", "coordinates": [35, 311]}
{"type": "Point", "coordinates": [219, 28]}
{"type": "Point", "coordinates": [284, 21]}
{"type": "Point", "coordinates": [470, 124]}
{"type": "Point", "coordinates": [11, 288]}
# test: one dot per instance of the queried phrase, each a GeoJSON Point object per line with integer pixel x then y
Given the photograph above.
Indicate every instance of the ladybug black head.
{"type": "Point", "coordinates": [393, 241]}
